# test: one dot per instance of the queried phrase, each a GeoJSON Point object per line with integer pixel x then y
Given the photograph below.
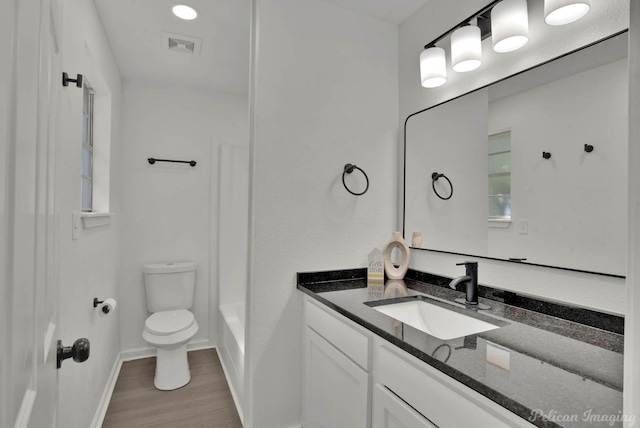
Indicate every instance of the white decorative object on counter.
{"type": "Point", "coordinates": [392, 271]}
{"type": "Point", "coordinates": [375, 275]}
{"type": "Point", "coordinates": [416, 240]}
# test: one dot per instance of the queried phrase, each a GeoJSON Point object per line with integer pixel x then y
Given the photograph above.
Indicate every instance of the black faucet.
{"type": "Point", "coordinates": [471, 279]}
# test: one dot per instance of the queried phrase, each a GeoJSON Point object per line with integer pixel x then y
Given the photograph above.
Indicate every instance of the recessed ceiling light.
{"type": "Point", "coordinates": [184, 11]}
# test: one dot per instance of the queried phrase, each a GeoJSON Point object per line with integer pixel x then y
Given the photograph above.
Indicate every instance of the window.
{"type": "Point", "coordinates": [87, 147]}
{"type": "Point", "coordinates": [500, 176]}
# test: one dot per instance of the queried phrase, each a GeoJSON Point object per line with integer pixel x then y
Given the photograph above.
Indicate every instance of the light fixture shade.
{"type": "Point", "coordinates": [466, 49]}
{"type": "Point", "coordinates": [433, 67]}
{"type": "Point", "coordinates": [561, 12]}
{"type": "Point", "coordinates": [509, 25]}
{"type": "Point", "coordinates": [184, 11]}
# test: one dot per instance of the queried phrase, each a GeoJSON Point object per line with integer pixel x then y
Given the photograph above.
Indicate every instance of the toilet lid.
{"type": "Point", "coordinates": [169, 322]}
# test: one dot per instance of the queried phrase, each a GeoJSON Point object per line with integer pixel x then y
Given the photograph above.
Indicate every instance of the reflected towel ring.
{"type": "Point", "coordinates": [348, 169]}
{"type": "Point", "coordinates": [434, 177]}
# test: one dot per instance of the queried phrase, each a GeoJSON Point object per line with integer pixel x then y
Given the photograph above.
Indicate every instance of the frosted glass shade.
{"type": "Point", "coordinates": [466, 49]}
{"type": "Point", "coordinates": [509, 25]}
{"type": "Point", "coordinates": [433, 67]}
{"type": "Point", "coordinates": [561, 12]}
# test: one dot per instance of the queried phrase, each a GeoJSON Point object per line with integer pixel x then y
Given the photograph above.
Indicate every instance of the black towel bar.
{"type": "Point", "coordinates": [154, 160]}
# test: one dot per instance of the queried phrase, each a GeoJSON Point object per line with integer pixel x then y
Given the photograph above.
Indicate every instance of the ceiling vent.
{"type": "Point", "coordinates": [180, 43]}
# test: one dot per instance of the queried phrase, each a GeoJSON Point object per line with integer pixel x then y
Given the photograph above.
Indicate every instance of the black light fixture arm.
{"type": "Point", "coordinates": [348, 169]}
{"type": "Point", "coordinates": [154, 160]}
{"type": "Point", "coordinates": [484, 23]}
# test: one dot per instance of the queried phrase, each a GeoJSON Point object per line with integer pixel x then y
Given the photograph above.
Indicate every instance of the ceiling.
{"type": "Point", "coordinates": [135, 30]}
{"type": "Point", "coordinates": [393, 11]}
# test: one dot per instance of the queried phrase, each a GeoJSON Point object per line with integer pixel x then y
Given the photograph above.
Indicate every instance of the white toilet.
{"type": "Point", "coordinates": [171, 325]}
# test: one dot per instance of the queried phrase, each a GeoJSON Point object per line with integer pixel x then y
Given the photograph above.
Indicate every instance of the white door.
{"type": "Point", "coordinates": [389, 411]}
{"type": "Point", "coordinates": [336, 389]}
{"type": "Point", "coordinates": [30, 388]}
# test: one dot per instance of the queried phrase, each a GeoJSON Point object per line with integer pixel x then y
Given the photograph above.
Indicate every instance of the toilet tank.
{"type": "Point", "coordinates": [169, 286]}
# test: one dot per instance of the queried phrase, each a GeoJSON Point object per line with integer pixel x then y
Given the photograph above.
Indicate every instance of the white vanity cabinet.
{"type": "Point", "coordinates": [336, 373]}
{"type": "Point", "coordinates": [343, 362]}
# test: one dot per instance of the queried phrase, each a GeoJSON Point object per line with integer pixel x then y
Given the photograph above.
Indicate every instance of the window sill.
{"type": "Point", "coordinates": [499, 223]}
{"type": "Point", "coordinates": [90, 220]}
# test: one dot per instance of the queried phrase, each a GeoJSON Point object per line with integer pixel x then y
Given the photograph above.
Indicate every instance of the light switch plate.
{"type": "Point", "coordinates": [498, 356]}
{"type": "Point", "coordinates": [523, 226]}
{"type": "Point", "coordinates": [76, 224]}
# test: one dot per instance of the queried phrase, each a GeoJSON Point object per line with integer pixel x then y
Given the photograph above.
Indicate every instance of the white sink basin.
{"type": "Point", "coordinates": [434, 320]}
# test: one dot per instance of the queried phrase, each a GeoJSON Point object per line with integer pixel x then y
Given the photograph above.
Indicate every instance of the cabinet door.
{"type": "Point", "coordinates": [389, 411]}
{"type": "Point", "coordinates": [336, 391]}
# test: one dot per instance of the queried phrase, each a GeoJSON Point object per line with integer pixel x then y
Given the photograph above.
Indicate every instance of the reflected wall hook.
{"type": "Point", "coordinates": [77, 80]}
{"type": "Point", "coordinates": [588, 148]}
{"type": "Point", "coordinates": [348, 169]}
{"type": "Point", "coordinates": [434, 177]}
{"type": "Point", "coordinates": [546, 155]}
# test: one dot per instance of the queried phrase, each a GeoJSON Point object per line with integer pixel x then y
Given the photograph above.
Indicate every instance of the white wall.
{"type": "Point", "coordinates": [88, 265]}
{"type": "Point", "coordinates": [324, 94]}
{"type": "Point", "coordinates": [169, 208]}
{"type": "Point", "coordinates": [7, 103]}
{"type": "Point", "coordinates": [429, 22]}
{"type": "Point", "coordinates": [632, 324]}
{"type": "Point", "coordinates": [233, 221]}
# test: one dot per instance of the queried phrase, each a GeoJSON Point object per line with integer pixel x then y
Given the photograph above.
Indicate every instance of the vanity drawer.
{"type": "Point", "coordinates": [441, 399]}
{"type": "Point", "coordinates": [340, 332]}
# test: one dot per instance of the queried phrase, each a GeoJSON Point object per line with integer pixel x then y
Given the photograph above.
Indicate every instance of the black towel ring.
{"type": "Point", "coordinates": [348, 169]}
{"type": "Point", "coordinates": [434, 177]}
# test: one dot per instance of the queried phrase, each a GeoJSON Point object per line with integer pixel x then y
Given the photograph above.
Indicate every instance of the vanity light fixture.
{"type": "Point", "coordinates": [433, 67]}
{"type": "Point", "coordinates": [466, 49]}
{"type": "Point", "coordinates": [561, 12]}
{"type": "Point", "coordinates": [509, 25]}
{"type": "Point", "coordinates": [184, 11]}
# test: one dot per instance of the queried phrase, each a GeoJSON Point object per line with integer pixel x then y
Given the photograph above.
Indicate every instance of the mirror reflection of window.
{"type": "Point", "coordinates": [500, 175]}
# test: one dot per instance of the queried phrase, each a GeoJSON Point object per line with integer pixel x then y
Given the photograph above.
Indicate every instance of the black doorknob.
{"type": "Point", "coordinates": [79, 351]}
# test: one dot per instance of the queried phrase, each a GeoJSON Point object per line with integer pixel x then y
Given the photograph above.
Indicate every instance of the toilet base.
{"type": "Point", "coordinates": [172, 368]}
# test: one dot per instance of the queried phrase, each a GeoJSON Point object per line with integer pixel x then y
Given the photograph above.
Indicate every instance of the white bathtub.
{"type": "Point", "coordinates": [231, 350]}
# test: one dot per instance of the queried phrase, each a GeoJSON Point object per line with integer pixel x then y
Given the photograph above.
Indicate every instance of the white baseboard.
{"type": "Point", "coordinates": [103, 405]}
{"type": "Point", "coordinates": [199, 345]}
{"type": "Point", "coordinates": [136, 354]}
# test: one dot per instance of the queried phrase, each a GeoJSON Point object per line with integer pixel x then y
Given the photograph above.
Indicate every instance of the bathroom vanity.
{"type": "Point", "coordinates": [364, 368]}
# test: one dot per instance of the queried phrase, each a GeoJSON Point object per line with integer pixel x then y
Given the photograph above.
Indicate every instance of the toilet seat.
{"type": "Point", "coordinates": [169, 322]}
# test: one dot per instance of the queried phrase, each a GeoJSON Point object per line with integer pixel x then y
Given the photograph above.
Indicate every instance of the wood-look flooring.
{"type": "Point", "coordinates": [205, 402]}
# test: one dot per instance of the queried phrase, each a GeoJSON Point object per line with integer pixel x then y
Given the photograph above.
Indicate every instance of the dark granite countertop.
{"type": "Point", "coordinates": [551, 371]}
